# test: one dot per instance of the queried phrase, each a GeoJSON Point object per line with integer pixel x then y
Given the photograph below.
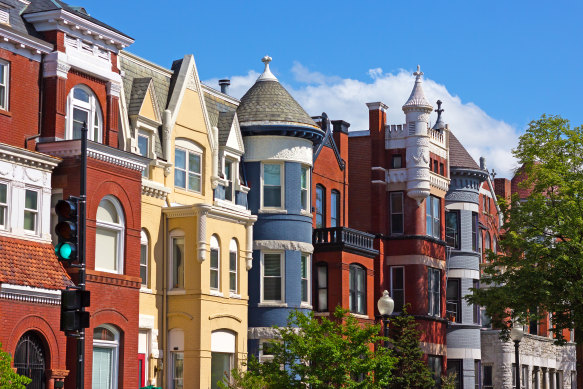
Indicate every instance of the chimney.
{"type": "Point", "coordinates": [340, 135]}
{"type": "Point", "coordinates": [483, 163]}
{"type": "Point", "coordinates": [224, 83]}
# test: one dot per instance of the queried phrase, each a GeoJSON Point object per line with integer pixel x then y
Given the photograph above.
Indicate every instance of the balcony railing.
{"type": "Point", "coordinates": [345, 239]}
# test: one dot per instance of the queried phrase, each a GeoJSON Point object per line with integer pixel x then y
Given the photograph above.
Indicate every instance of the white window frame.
{"type": "Point", "coordinates": [215, 246]}
{"type": "Point", "coordinates": [92, 108]}
{"type": "Point", "coordinates": [281, 184]}
{"type": "Point", "coordinates": [176, 234]}
{"type": "Point", "coordinates": [143, 135]}
{"type": "Point", "coordinates": [35, 212]}
{"type": "Point", "coordinates": [282, 275]}
{"type": "Point", "coordinates": [305, 191]}
{"type": "Point", "coordinates": [234, 249]}
{"type": "Point", "coordinates": [263, 357]}
{"type": "Point", "coordinates": [189, 146]}
{"type": "Point", "coordinates": [5, 207]}
{"type": "Point", "coordinates": [175, 346]}
{"type": "Point", "coordinates": [393, 268]}
{"type": "Point", "coordinates": [232, 179]}
{"type": "Point", "coordinates": [119, 228]}
{"type": "Point", "coordinates": [5, 68]}
{"type": "Point", "coordinates": [144, 241]}
{"type": "Point", "coordinates": [430, 310]}
{"type": "Point", "coordinates": [353, 268]}
{"type": "Point", "coordinates": [111, 345]}
{"type": "Point", "coordinates": [308, 280]}
{"type": "Point", "coordinates": [335, 207]}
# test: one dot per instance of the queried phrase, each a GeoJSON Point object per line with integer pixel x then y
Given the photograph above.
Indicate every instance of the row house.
{"type": "Point", "coordinates": [404, 171]}
{"type": "Point", "coordinates": [343, 260]}
{"type": "Point", "coordinates": [42, 109]}
{"type": "Point", "coordinates": [196, 228]}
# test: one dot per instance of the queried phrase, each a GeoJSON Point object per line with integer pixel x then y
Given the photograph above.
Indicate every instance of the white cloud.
{"type": "Point", "coordinates": [239, 84]}
{"type": "Point", "coordinates": [345, 98]}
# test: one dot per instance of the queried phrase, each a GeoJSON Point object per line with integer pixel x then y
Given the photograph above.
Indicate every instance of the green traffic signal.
{"type": "Point", "coordinates": [66, 251]}
{"type": "Point", "coordinates": [66, 229]}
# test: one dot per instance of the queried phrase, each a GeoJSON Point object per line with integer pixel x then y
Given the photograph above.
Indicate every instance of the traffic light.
{"type": "Point", "coordinates": [72, 318]}
{"type": "Point", "coordinates": [66, 230]}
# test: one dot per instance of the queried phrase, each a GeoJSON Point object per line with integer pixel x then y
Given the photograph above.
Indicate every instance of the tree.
{"type": "Point", "coordinates": [9, 379]}
{"type": "Point", "coordinates": [321, 353]}
{"type": "Point", "coordinates": [540, 267]}
{"type": "Point", "coordinates": [411, 370]}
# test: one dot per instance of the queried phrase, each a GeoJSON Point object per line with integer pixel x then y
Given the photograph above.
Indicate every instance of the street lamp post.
{"type": "Point", "coordinates": [386, 306]}
{"type": "Point", "coordinates": [516, 334]}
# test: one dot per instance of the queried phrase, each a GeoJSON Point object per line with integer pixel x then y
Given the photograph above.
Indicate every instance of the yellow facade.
{"type": "Point", "coordinates": [185, 226]}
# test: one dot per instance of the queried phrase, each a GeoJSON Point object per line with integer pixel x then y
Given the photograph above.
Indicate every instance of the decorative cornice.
{"type": "Point", "coordinates": [154, 189]}
{"type": "Point", "coordinates": [113, 279]}
{"type": "Point", "coordinates": [28, 158]}
{"type": "Point", "coordinates": [33, 45]}
{"type": "Point", "coordinates": [283, 245]}
{"type": "Point", "coordinates": [113, 88]}
{"type": "Point", "coordinates": [224, 315]}
{"type": "Point", "coordinates": [377, 106]}
{"type": "Point", "coordinates": [30, 295]}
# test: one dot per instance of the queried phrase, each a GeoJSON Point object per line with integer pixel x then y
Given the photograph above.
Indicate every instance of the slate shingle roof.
{"type": "Point", "coordinates": [458, 155]}
{"type": "Point", "coordinates": [139, 90]}
{"type": "Point", "coordinates": [268, 101]}
{"type": "Point", "coordinates": [29, 263]}
{"type": "Point", "coordinates": [221, 114]}
{"type": "Point", "coordinates": [224, 126]}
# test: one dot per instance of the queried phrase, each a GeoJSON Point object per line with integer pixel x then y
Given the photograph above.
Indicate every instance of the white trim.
{"type": "Point", "coordinates": [283, 245]}
{"type": "Point", "coordinates": [114, 345]}
{"type": "Point", "coordinates": [5, 73]}
{"type": "Point", "coordinates": [278, 148]}
{"type": "Point", "coordinates": [175, 234]}
{"type": "Point", "coordinates": [464, 273]}
{"type": "Point", "coordinates": [377, 106]}
{"type": "Point", "coordinates": [414, 259]}
{"type": "Point", "coordinates": [308, 279]}
{"type": "Point", "coordinates": [30, 294]}
{"type": "Point", "coordinates": [33, 45]}
{"type": "Point", "coordinates": [262, 301]}
{"type": "Point", "coordinates": [234, 249]}
{"type": "Point", "coordinates": [281, 185]}
{"type": "Point", "coordinates": [214, 245]}
{"type": "Point", "coordinates": [463, 353]}
{"type": "Point", "coordinates": [92, 108]}
{"type": "Point", "coordinates": [308, 187]}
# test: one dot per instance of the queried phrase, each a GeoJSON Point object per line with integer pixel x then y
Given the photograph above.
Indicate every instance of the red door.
{"type": "Point", "coordinates": [142, 369]}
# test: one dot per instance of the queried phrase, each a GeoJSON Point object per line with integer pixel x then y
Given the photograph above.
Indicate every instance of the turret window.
{"type": "Point", "coordinates": [305, 188]}
{"type": "Point", "coordinates": [272, 188]}
{"type": "Point", "coordinates": [434, 291]}
{"type": "Point", "coordinates": [397, 214]}
{"type": "Point", "coordinates": [433, 212]}
{"type": "Point", "coordinates": [272, 273]}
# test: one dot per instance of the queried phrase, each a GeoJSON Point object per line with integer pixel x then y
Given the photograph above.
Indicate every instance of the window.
{"type": "Point", "coordinates": [4, 83]}
{"type": "Point", "coordinates": [442, 169]}
{"type": "Point", "coordinates": [305, 188]}
{"type": "Point", "coordinates": [83, 108]}
{"type": "Point", "coordinates": [533, 322]}
{"type": "Point", "coordinates": [143, 146]}
{"type": "Point", "coordinates": [474, 231]}
{"type": "Point", "coordinates": [144, 258]}
{"type": "Point", "coordinates": [177, 259]}
{"type": "Point", "coordinates": [434, 362]}
{"type": "Point", "coordinates": [266, 350]}
{"type": "Point", "coordinates": [305, 269]}
{"type": "Point", "coordinates": [357, 295]}
{"type": "Point", "coordinates": [398, 287]}
{"type": "Point", "coordinates": [452, 229]}
{"type": "Point", "coordinates": [272, 185]}
{"type": "Point", "coordinates": [433, 210]}
{"type": "Point", "coordinates": [222, 356]}
{"type": "Point", "coordinates": [320, 206]}
{"type": "Point", "coordinates": [436, 166]}
{"type": "Point", "coordinates": [105, 357]}
{"type": "Point", "coordinates": [397, 214]}
{"type": "Point", "coordinates": [30, 210]}
{"type": "Point", "coordinates": [230, 178]}
{"type": "Point", "coordinates": [322, 287]}
{"type": "Point", "coordinates": [573, 380]}
{"type": "Point", "coordinates": [494, 244]}
{"type": "Point", "coordinates": [3, 206]}
{"type": "Point", "coordinates": [233, 258]}
{"type": "Point", "coordinates": [176, 368]}
{"type": "Point", "coordinates": [215, 264]}
{"type": "Point", "coordinates": [487, 381]}
{"type": "Point", "coordinates": [109, 236]}
{"type": "Point", "coordinates": [29, 359]}
{"type": "Point", "coordinates": [334, 208]}
{"type": "Point", "coordinates": [188, 170]}
{"type": "Point", "coordinates": [477, 374]}
{"type": "Point", "coordinates": [272, 277]}
{"type": "Point", "coordinates": [476, 313]}
{"type": "Point", "coordinates": [454, 300]}
{"type": "Point", "coordinates": [524, 378]}
{"type": "Point", "coordinates": [455, 366]}
{"type": "Point", "coordinates": [396, 161]}
{"type": "Point", "coordinates": [434, 290]}
{"type": "Point", "coordinates": [487, 242]}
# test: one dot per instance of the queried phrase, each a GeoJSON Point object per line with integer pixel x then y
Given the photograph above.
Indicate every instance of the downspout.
{"type": "Point", "coordinates": [165, 355]}
{"type": "Point", "coordinates": [344, 207]}
{"type": "Point", "coordinates": [166, 119]}
{"type": "Point", "coordinates": [40, 106]}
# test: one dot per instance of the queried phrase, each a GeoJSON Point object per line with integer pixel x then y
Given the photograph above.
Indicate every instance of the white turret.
{"type": "Point", "coordinates": [417, 110]}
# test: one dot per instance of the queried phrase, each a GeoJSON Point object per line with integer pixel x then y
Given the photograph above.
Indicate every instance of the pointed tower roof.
{"type": "Point", "coordinates": [417, 98]}
{"type": "Point", "coordinates": [459, 156]}
{"type": "Point", "coordinates": [267, 102]}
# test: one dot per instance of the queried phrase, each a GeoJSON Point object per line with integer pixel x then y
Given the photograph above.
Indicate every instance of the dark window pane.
{"type": "Point", "coordinates": [272, 288]}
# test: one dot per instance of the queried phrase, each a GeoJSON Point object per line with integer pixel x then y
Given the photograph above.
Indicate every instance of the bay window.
{"type": "Point", "coordinates": [357, 289]}
{"type": "Point", "coordinates": [4, 84]}
{"type": "Point", "coordinates": [305, 278]}
{"type": "Point", "coordinates": [433, 217]}
{"type": "Point", "coordinates": [229, 176]}
{"type": "Point", "coordinates": [434, 291]}
{"type": "Point", "coordinates": [215, 264]}
{"type": "Point", "coordinates": [272, 273]}
{"type": "Point", "coordinates": [305, 188]}
{"type": "Point", "coordinates": [30, 210]}
{"type": "Point", "coordinates": [452, 229]}
{"type": "Point", "coordinates": [398, 287]}
{"type": "Point", "coordinates": [397, 214]}
{"type": "Point", "coordinates": [272, 188]}
{"type": "Point", "coordinates": [454, 300]}
{"type": "Point", "coordinates": [3, 206]}
{"type": "Point", "coordinates": [143, 147]}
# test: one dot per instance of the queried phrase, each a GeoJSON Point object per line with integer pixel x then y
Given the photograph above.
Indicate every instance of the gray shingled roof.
{"type": "Point", "coordinates": [137, 95]}
{"type": "Point", "coordinates": [15, 7]}
{"type": "Point", "coordinates": [268, 101]}
{"type": "Point", "coordinates": [225, 124]}
{"type": "Point", "coordinates": [49, 5]}
{"type": "Point", "coordinates": [458, 155]}
{"type": "Point", "coordinates": [161, 82]}
{"type": "Point", "coordinates": [221, 115]}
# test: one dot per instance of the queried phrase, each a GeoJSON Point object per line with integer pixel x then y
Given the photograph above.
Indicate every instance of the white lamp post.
{"type": "Point", "coordinates": [516, 334]}
{"type": "Point", "coordinates": [386, 306]}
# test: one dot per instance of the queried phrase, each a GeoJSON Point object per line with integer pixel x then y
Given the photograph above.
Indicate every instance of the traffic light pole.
{"type": "Point", "coordinates": [81, 245]}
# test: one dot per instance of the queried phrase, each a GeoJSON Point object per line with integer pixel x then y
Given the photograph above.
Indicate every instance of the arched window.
{"type": "Point", "coordinates": [357, 284]}
{"type": "Point", "coordinates": [233, 266]}
{"type": "Point", "coordinates": [109, 236]}
{"type": "Point", "coordinates": [222, 355]}
{"type": "Point", "coordinates": [83, 107]}
{"type": "Point", "coordinates": [320, 206]}
{"type": "Point", "coordinates": [215, 264]}
{"type": "Point", "coordinates": [494, 245]}
{"type": "Point", "coordinates": [487, 242]}
{"type": "Point", "coordinates": [105, 357]}
{"type": "Point", "coordinates": [177, 259]}
{"type": "Point", "coordinates": [176, 343]}
{"type": "Point", "coordinates": [334, 208]}
{"type": "Point", "coordinates": [144, 256]}
{"type": "Point", "coordinates": [29, 359]}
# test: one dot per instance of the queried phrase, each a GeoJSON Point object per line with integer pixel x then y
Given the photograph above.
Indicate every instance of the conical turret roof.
{"type": "Point", "coordinates": [268, 102]}
{"type": "Point", "coordinates": [417, 98]}
{"type": "Point", "coordinates": [459, 156]}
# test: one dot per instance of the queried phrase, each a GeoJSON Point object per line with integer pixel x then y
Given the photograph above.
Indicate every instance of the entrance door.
{"type": "Point", "coordinates": [29, 359]}
{"type": "Point", "coordinates": [142, 369]}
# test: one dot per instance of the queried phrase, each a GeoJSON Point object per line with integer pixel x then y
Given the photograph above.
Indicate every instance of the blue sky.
{"type": "Point", "coordinates": [509, 60]}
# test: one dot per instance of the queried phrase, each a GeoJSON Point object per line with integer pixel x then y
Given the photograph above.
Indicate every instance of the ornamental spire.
{"type": "Point", "coordinates": [439, 124]}
{"type": "Point", "coordinates": [266, 75]}
{"type": "Point", "coordinates": [417, 98]}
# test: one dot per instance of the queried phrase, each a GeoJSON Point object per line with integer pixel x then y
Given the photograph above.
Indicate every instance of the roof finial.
{"type": "Point", "coordinates": [418, 73]}
{"type": "Point", "coordinates": [439, 124]}
{"type": "Point", "coordinates": [439, 110]}
{"type": "Point", "coordinates": [266, 75]}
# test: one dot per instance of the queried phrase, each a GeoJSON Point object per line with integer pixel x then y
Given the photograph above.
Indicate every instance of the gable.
{"type": "Point", "coordinates": [149, 109]}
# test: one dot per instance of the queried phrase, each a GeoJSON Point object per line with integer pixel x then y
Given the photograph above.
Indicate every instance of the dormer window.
{"type": "Point", "coordinates": [230, 178]}
{"type": "Point", "coordinates": [143, 146]}
{"type": "Point", "coordinates": [4, 15]}
{"type": "Point", "coordinates": [83, 107]}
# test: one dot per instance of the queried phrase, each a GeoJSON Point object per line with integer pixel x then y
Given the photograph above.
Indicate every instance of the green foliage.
{"type": "Point", "coordinates": [8, 377]}
{"type": "Point", "coordinates": [321, 353]}
{"type": "Point", "coordinates": [541, 269]}
{"type": "Point", "coordinates": [411, 370]}
{"type": "Point", "coordinates": [449, 381]}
